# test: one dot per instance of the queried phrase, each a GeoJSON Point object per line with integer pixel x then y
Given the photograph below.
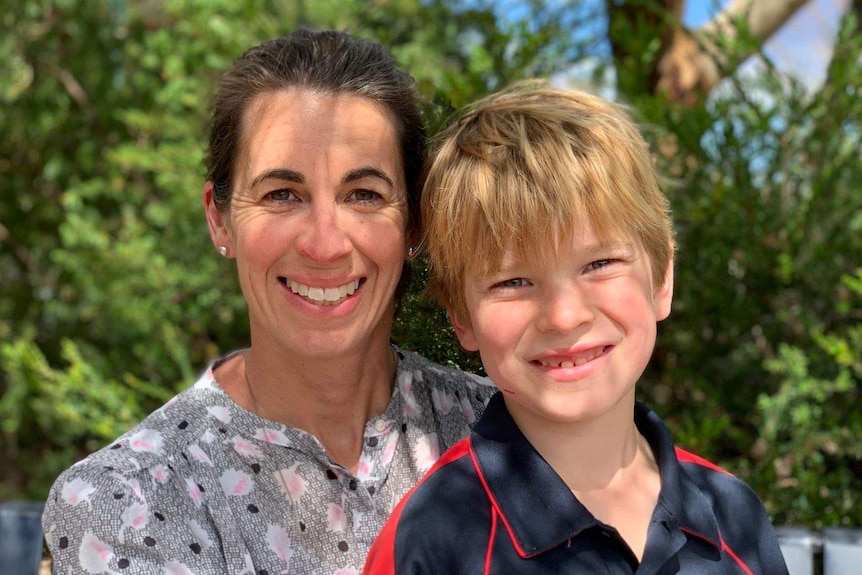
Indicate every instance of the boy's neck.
{"type": "Point", "coordinates": [607, 464]}
{"type": "Point", "coordinates": [588, 455]}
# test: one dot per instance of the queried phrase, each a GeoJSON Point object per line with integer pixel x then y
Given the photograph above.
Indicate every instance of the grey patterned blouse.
{"type": "Point", "coordinates": [203, 486]}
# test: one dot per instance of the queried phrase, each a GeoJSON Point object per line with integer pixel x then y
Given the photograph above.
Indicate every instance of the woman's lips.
{"type": "Point", "coordinates": [324, 296]}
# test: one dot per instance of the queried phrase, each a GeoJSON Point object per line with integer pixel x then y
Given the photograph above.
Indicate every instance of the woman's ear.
{"type": "Point", "coordinates": [217, 221]}
{"type": "Point", "coordinates": [464, 330]}
{"type": "Point", "coordinates": [412, 241]}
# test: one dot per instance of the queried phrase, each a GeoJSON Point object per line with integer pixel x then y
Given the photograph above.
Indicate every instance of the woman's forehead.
{"type": "Point", "coordinates": [304, 131]}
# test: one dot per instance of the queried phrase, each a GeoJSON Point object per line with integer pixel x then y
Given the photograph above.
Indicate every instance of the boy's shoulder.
{"type": "Point", "coordinates": [702, 466]}
{"type": "Point", "coordinates": [701, 471]}
{"type": "Point", "coordinates": [421, 530]}
{"type": "Point", "coordinates": [731, 498]}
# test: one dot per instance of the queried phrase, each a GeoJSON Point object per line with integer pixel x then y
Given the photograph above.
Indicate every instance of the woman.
{"type": "Point", "coordinates": [288, 456]}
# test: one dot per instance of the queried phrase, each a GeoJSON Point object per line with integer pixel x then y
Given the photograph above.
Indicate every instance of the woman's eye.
{"type": "Point", "coordinates": [365, 196]}
{"type": "Point", "coordinates": [281, 196]}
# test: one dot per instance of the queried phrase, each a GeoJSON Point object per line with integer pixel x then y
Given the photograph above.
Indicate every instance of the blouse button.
{"type": "Point", "coordinates": [379, 425]}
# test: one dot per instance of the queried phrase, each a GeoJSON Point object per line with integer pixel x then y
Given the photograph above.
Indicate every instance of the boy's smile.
{"type": "Point", "coordinates": [567, 339]}
{"type": "Point", "coordinates": [557, 360]}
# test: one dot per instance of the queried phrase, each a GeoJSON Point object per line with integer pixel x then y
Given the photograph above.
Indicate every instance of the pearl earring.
{"type": "Point", "coordinates": [223, 251]}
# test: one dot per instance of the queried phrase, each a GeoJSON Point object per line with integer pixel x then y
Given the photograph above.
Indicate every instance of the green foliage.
{"type": "Point", "coordinates": [762, 179]}
{"type": "Point", "coordinates": [53, 416]}
{"type": "Point", "coordinates": [423, 325]}
{"type": "Point", "coordinates": [813, 425]}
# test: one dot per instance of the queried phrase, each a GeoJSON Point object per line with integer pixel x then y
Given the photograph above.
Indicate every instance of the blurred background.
{"type": "Point", "coordinates": [112, 297]}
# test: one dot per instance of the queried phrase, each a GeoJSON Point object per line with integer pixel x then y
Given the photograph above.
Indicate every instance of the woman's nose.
{"type": "Point", "coordinates": [564, 310]}
{"type": "Point", "coordinates": [325, 238]}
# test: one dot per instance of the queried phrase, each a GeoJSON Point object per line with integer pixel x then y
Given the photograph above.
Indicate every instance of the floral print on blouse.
{"type": "Point", "coordinates": [203, 486]}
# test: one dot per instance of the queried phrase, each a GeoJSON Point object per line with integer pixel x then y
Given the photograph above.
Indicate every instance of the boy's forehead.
{"type": "Point", "coordinates": [549, 247]}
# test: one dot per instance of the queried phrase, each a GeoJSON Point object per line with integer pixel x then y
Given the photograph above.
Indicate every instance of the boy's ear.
{"type": "Point", "coordinates": [217, 221]}
{"type": "Point", "coordinates": [464, 330]}
{"type": "Point", "coordinates": [664, 294]}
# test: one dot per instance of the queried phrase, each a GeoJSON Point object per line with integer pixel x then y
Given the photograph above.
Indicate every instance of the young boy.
{"type": "Point", "coordinates": [551, 247]}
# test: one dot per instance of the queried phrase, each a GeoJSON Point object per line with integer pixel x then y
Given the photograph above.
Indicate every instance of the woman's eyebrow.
{"type": "Point", "coordinates": [365, 172]}
{"type": "Point", "coordinates": [282, 174]}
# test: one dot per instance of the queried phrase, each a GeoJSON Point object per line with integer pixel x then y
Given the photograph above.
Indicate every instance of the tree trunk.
{"type": "Point", "coordinates": [690, 63]}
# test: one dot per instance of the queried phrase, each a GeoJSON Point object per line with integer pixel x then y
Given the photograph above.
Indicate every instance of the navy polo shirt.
{"type": "Point", "coordinates": [493, 505]}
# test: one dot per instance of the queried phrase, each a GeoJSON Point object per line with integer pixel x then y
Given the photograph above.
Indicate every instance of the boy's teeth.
{"type": "Point", "coordinates": [568, 363]}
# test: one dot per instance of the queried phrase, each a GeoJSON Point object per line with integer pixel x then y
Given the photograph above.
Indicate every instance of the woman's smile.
{"type": "Point", "coordinates": [324, 296]}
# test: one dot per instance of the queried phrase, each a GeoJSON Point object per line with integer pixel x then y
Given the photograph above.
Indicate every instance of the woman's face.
{"type": "Point", "coordinates": [317, 222]}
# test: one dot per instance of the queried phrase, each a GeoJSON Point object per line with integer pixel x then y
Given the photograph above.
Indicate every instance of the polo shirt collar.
{"type": "Point", "coordinates": [681, 503]}
{"type": "Point", "coordinates": [537, 507]}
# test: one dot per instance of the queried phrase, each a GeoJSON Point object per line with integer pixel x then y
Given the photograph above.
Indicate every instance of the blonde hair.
{"type": "Point", "coordinates": [518, 169]}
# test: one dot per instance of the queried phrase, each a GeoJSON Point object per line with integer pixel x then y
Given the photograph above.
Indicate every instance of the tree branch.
{"type": "Point", "coordinates": [695, 62]}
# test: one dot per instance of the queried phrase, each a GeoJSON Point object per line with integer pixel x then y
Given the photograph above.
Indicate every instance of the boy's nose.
{"type": "Point", "coordinates": [325, 237]}
{"type": "Point", "coordinates": [564, 310]}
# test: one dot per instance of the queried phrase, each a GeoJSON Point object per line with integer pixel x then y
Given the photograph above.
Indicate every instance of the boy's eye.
{"type": "Point", "coordinates": [598, 264]}
{"type": "Point", "coordinates": [511, 283]}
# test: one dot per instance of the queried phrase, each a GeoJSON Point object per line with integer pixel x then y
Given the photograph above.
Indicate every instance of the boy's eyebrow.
{"type": "Point", "coordinates": [590, 249]}
{"type": "Point", "coordinates": [600, 247]}
{"type": "Point", "coordinates": [623, 250]}
{"type": "Point", "coordinates": [510, 263]}
{"type": "Point", "coordinates": [283, 174]}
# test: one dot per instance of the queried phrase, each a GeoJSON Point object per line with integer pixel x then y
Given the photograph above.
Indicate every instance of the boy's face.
{"type": "Point", "coordinates": [566, 340]}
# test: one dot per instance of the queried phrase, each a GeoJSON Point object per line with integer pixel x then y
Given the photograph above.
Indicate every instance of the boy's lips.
{"type": "Point", "coordinates": [568, 359]}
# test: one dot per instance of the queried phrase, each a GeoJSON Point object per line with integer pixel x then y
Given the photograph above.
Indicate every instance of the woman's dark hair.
{"type": "Point", "coordinates": [327, 61]}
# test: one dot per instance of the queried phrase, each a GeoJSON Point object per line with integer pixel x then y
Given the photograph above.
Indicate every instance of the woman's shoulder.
{"type": "Point", "coordinates": [151, 448]}
{"type": "Point", "coordinates": [446, 384]}
{"type": "Point", "coordinates": [115, 491]}
{"type": "Point", "coordinates": [439, 375]}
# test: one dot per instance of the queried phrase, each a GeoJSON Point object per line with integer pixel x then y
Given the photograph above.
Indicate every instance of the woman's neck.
{"type": "Point", "coordinates": [331, 399]}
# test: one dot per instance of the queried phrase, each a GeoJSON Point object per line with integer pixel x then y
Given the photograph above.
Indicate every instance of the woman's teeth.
{"type": "Point", "coordinates": [324, 296]}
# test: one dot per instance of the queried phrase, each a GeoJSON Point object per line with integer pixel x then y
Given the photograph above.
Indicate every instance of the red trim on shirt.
{"type": "Point", "coordinates": [381, 557]}
{"type": "Point", "coordinates": [496, 506]}
{"type": "Point", "coordinates": [717, 545]}
{"type": "Point", "coordinates": [489, 554]}
{"type": "Point", "coordinates": [687, 457]}
{"type": "Point", "coordinates": [736, 558]}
